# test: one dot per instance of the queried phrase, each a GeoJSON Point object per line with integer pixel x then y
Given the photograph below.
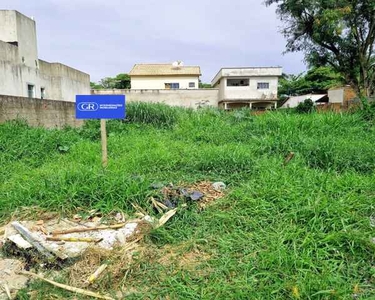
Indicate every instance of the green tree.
{"type": "Point", "coordinates": [316, 81]}
{"type": "Point", "coordinates": [95, 86]}
{"type": "Point", "coordinates": [204, 85]}
{"type": "Point", "coordinates": [305, 107]}
{"type": "Point", "coordinates": [339, 33]}
{"type": "Point", "coordinates": [121, 81]}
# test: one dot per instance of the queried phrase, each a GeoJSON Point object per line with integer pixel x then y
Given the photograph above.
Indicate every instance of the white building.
{"type": "Point", "coordinates": [251, 87]}
{"type": "Point", "coordinates": [164, 76]}
{"type": "Point", "coordinates": [23, 74]}
{"type": "Point", "coordinates": [295, 100]}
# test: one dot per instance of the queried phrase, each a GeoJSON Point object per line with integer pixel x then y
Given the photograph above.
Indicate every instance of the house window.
{"type": "Point", "coordinates": [238, 82]}
{"type": "Point", "coordinates": [42, 93]}
{"type": "Point", "coordinates": [31, 91]}
{"type": "Point", "coordinates": [263, 85]}
{"type": "Point", "coordinates": [172, 85]}
{"type": "Point", "coordinates": [191, 84]}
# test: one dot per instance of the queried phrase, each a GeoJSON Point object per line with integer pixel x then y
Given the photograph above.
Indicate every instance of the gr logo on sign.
{"type": "Point", "coordinates": [88, 106]}
{"type": "Point", "coordinates": [100, 107]}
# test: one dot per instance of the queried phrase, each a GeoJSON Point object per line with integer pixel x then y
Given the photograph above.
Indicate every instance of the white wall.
{"type": "Point", "coordinates": [8, 26]}
{"type": "Point", "coordinates": [336, 95]}
{"type": "Point", "coordinates": [182, 98]}
{"type": "Point", "coordinates": [60, 82]}
{"type": "Point", "coordinates": [247, 72]}
{"type": "Point", "coordinates": [248, 92]}
{"type": "Point", "coordinates": [158, 82]}
{"type": "Point", "coordinates": [15, 27]}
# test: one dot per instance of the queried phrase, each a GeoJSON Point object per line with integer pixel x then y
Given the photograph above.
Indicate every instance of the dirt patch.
{"type": "Point", "coordinates": [9, 279]}
{"type": "Point", "coordinates": [118, 260]}
{"type": "Point", "coordinates": [210, 193]}
{"type": "Point", "coordinates": [178, 256]}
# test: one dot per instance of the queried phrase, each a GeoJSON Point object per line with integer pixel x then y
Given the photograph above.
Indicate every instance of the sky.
{"type": "Point", "coordinates": [107, 37]}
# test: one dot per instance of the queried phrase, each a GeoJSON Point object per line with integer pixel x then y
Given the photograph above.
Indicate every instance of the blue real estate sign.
{"type": "Point", "coordinates": [100, 106]}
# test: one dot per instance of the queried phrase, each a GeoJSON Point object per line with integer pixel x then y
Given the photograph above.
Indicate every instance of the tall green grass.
{"type": "Point", "coordinates": [303, 226]}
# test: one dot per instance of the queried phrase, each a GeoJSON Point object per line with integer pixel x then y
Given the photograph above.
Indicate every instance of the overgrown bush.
{"type": "Point", "coordinates": [154, 114]}
{"type": "Point", "coordinates": [305, 107]}
{"type": "Point", "coordinates": [368, 111]}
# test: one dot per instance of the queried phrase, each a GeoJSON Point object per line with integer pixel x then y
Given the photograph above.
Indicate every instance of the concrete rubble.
{"type": "Point", "coordinates": [57, 242]}
{"type": "Point", "coordinates": [11, 281]}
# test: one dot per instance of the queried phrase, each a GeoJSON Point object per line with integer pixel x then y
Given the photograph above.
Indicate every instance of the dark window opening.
{"type": "Point", "coordinates": [172, 86]}
{"type": "Point", "coordinates": [238, 82]}
{"type": "Point", "coordinates": [191, 84]}
{"type": "Point", "coordinates": [31, 91]}
{"type": "Point", "coordinates": [263, 85]}
{"type": "Point", "coordinates": [42, 93]}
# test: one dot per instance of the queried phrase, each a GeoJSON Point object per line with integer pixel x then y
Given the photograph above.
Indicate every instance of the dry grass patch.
{"type": "Point", "coordinates": [181, 257]}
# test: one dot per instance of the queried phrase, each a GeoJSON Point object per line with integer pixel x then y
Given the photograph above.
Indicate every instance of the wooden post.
{"type": "Point", "coordinates": [103, 132]}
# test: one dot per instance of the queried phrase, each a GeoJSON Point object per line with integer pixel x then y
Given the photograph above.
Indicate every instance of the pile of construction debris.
{"type": "Point", "coordinates": [60, 243]}
{"type": "Point", "coordinates": [204, 193]}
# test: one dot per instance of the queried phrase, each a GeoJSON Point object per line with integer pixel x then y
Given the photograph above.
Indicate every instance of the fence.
{"type": "Point", "coordinates": [38, 112]}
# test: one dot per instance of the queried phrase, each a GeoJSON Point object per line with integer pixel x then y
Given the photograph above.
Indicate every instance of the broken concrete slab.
{"type": "Point", "coordinates": [109, 238]}
{"type": "Point", "coordinates": [20, 241]}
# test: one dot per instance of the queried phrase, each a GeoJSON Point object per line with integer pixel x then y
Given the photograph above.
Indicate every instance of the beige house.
{"type": "Point", "coordinates": [251, 87]}
{"type": "Point", "coordinates": [164, 76]}
{"type": "Point", "coordinates": [23, 74]}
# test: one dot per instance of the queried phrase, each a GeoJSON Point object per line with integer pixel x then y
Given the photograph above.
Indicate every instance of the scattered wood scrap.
{"type": "Point", "coordinates": [164, 219]}
{"type": "Point", "coordinates": [97, 273]}
{"type": "Point", "coordinates": [73, 239]}
{"type": "Point", "coordinates": [80, 229]}
{"type": "Point", "coordinates": [67, 287]}
{"type": "Point", "coordinates": [160, 207]}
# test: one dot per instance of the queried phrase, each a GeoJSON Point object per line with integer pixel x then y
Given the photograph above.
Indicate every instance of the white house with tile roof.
{"type": "Point", "coordinates": [164, 76]}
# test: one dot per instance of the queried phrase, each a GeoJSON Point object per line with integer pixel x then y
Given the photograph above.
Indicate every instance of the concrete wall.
{"type": "Point", "coordinates": [8, 26]}
{"type": "Point", "coordinates": [247, 72]}
{"type": "Point", "coordinates": [158, 82]}
{"type": "Point", "coordinates": [14, 76]}
{"type": "Point", "coordinates": [183, 98]}
{"type": "Point", "coordinates": [341, 94]}
{"type": "Point", "coordinates": [19, 65]}
{"type": "Point", "coordinates": [62, 82]}
{"type": "Point", "coordinates": [15, 27]}
{"type": "Point", "coordinates": [37, 112]}
{"type": "Point", "coordinates": [336, 96]}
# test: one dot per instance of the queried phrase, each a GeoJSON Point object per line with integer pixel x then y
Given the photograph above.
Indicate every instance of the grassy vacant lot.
{"type": "Point", "coordinates": [300, 231]}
